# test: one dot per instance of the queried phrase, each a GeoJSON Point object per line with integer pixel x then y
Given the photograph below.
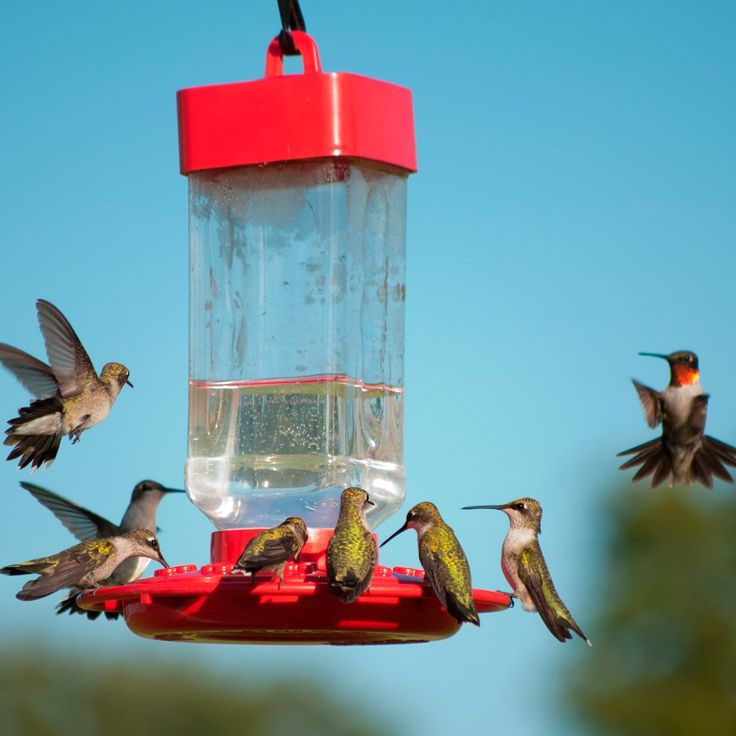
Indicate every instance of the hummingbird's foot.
{"type": "Point", "coordinates": [512, 596]}
{"type": "Point", "coordinates": [77, 430]}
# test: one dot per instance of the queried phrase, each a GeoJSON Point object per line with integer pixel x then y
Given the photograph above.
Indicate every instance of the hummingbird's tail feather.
{"type": "Point", "coordinates": [560, 623]}
{"type": "Point", "coordinates": [347, 585]}
{"type": "Point", "coordinates": [725, 453]}
{"type": "Point", "coordinates": [35, 434]}
{"type": "Point", "coordinates": [69, 605]}
{"type": "Point", "coordinates": [700, 471]}
{"type": "Point", "coordinates": [654, 458]}
{"type": "Point", "coordinates": [663, 469]}
{"type": "Point", "coordinates": [460, 611]}
{"type": "Point", "coordinates": [645, 447]}
{"type": "Point", "coordinates": [569, 623]}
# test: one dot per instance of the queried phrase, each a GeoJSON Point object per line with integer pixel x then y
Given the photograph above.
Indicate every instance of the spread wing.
{"type": "Point", "coordinates": [70, 570]}
{"type": "Point", "coordinates": [650, 402]}
{"type": "Point", "coordinates": [535, 576]}
{"type": "Point", "coordinates": [69, 360]}
{"type": "Point", "coordinates": [82, 523]}
{"type": "Point", "coordinates": [34, 374]}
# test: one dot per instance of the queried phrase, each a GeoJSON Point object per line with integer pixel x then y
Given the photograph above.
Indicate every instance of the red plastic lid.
{"type": "Point", "coordinates": [209, 604]}
{"type": "Point", "coordinates": [294, 117]}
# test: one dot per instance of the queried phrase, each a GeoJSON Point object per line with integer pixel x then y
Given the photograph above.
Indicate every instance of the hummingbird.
{"type": "Point", "coordinates": [684, 453]}
{"type": "Point", "coordinates": [443, 560]}
{"type": "Point", "coordinates": [70, 396]}
{"type": "Point", "coordinates": [524, 567]}
{"type": "Point", "coordinates": [273, 548]}
{"type": "Point", "coordinates": [85, 525]}
{"type": "Point", "coordinates": [85, 565]}
{"type": "Point", "coordinates": [352, 553]}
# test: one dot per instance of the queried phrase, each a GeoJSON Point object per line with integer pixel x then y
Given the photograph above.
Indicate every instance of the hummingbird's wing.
{"type": "Point", "coordinates": [30, 567]}
{"type": "Point", "coordinates": [351, 560]}
{"type": "Point", "coordinates": [74, 564]}
{"type": "Point", "coordinates": [81, 522]}
{"type": "Point", "coordinates": [713, 455]}
{"type": "Point", "coordinates": [448, 572]}
{"type": "Point", "coordinates": [651, 403]}
{"type": "Point", "coordinates": [34, 374]}
{"type": "Point", "coordinates": [534, 574]}
{"type": "Point", "coordinates": [69, 360]}
{"type": "Point", "coordinates": [269, 550]}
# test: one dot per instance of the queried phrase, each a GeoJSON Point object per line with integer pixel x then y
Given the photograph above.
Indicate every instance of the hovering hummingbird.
{"type": "Point", "coordinates": [684, 453]}
{"type": "Point", "coordinates": [443, 560]}
{"type": "Point", "coordinates": [84, 565]}
{"type": "Point", "coordinates": [85, 525]}
{"type": "Point", "coordinates": [273, 548]}
{"type": "Point", "coordinates": [352, 553]}
{"type": "Point", "coordinates": [526, 571]}
{"type": "Point", "coordinates": [70, 397]}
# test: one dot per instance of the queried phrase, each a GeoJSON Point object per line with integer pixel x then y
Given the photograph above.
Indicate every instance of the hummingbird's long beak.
{"type": "Point", "coordinates": [655, 355]}
{"type": "Point", "coordinates": [487, 506]}
{"type": "Point", "coordinates": [163, 561]}
{"type": "Point", "coordinates": [129, 384]}
{"type": "Point", "coordinates": [395, 534]}
{"type": "Point", "coordinates": [368, 502]}
{"type": "Point", "coordinates": [174, 490]}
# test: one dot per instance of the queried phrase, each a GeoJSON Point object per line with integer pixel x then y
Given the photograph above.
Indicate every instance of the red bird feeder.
{"type": "Point", "coordinates": [297, 205]}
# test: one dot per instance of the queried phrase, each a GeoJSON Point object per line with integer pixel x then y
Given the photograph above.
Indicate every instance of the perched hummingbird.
{"type": "Point", "coordinates": [352, 553]}
{"type": "Point", "coordinates": [70, 397]}
{"type": "Point", "coordinates": [84, 565]}
{"type": "Point", "coordinates": [273, 548]}
{"type": "Point", "coordinates": [684, 453]}
{"type": "Point", "coordinates": [85, 525]}
{"type": "Point", "coordinates": [443, 560]}
{"type": "Point", "coordinates": [526, 571]}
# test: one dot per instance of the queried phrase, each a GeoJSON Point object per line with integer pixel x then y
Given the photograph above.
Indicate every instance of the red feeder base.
{"type": "Point", "coordinates": [211, 605]}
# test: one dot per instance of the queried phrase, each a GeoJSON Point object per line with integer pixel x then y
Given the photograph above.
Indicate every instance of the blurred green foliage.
{"type": "Point", "coordinates": [43, 693]}
{"type": "Point", "coordinates": [664, 655]}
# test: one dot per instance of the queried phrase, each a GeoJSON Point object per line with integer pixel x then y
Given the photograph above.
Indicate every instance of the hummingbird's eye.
{"type": "Point", "coordinates": [520, 506]}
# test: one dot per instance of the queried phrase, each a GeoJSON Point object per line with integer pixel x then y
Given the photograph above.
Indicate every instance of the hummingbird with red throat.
{"type": "Point", "coordinates": [683, 454]}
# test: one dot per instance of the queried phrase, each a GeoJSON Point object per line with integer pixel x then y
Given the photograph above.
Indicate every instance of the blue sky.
{"type": "Point", "coordinates": [574, 205]}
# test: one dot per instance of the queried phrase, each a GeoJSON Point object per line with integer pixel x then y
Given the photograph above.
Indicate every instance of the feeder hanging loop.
{"type": "Point", "coordinates": [292, 19]}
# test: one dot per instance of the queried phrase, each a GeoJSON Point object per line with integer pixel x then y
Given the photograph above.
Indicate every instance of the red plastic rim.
{"type": "Point", "coordinates": [292, 117]}
{"type": "Point", "coordinates": [209, 604]}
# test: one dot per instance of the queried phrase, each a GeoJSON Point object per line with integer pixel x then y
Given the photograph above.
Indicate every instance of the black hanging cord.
{"type": "Point", "coordinates": [291, 20]}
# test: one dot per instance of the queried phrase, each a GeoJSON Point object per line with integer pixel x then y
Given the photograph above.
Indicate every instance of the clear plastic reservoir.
{"type": "Point", "coordinates": [296, 340]}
